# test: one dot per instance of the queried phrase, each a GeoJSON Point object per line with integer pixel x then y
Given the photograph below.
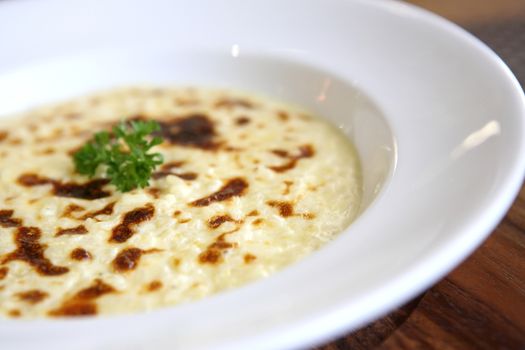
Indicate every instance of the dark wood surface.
{"type": "Point", "coordinates": [481, 304]}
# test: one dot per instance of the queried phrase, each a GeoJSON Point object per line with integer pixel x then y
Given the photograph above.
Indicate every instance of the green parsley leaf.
{"type": "Point", "coordinates": [123, 154]}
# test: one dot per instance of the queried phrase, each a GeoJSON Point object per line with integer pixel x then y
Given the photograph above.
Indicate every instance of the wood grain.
{"type": "Point", "coordinates": [480, 305]}
{"type": "Point", "coordinates": [467, 12]}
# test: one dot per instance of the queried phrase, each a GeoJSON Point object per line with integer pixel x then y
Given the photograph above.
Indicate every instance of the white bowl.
{"type": "Point", "coordinates": [438, 120]}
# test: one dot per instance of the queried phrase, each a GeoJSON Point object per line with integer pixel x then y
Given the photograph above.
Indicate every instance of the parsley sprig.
{"type": "Point", "coordinates": [123, 153]}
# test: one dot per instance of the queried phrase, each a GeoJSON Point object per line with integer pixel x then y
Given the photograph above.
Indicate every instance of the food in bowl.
{"type": "Point", "coordinates": [247, 186]}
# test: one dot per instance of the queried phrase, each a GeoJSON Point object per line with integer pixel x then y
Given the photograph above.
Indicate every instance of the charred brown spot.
{"type": "Point", "coordinates": [233, 102]}
{"type": "Point", "coordinates": [305, 151]}
{"type": "Point", "coordinates": [80, 254]}
{"type": "Point", "coordinates": [233, 188]}
{"type": "Point", "coordinates": [3, 135]}
{"type": "Point", "coordinates": [72, 151]}
{"type": "Point", "coordinates": [210, 256]}
{"type": "Point", "coordinates": [177, 213]}
{"type": "Point", "coordinates": [282, 168]}
{"type": "Point", "coordinates": [167, 168]}
{"type": "Point", "coordinates": [88, 190]}
{"type": "Point", "coordinates": [30, 180]}
{"type": "Point", "coordinates": [196, 130]}
{"type": "Point", "coordinates": [176, 262]}
{"type": "Point", "coordinates": [288, 185]}
{"type": "Point", "coordinates": [248, 258]}
{"type": "Point", "coordinates": [154, 286]}
{"type": "Point", "coordinates": [218, 220]}
{"type": "Point", "coordinates": [3, 272]}
{"type": "Point", "coordinates": [14, 313]}
{"type": "Point", "coordinates": [33, 296]}
{"type": "Point", "coordinates": [96, 290]}
{"type": "Point", "coordinates": [107, 210]}
{"type": "Point", "coordinates": [241, 121]}
{"type": "Point", "coordinates": [79, 230]}
{"type": "Point", "coordinates": [285, 208]}
{"type": "Point", "coordinates": [16, 141]}
{"type": "Point", "coordinates": [283, 116]}
{"type": "Point", "coordinates": [127, 259]}
{"type": "Point", "coordinates": [257, 222]}
{"type": "Point", "coordinates": [75, 310]}
{"type": "Point", "coordinates": [70, 209]}
{"type": "Point", "coordinates": [185, 176]}
{"type": "Point", "coordinates": [312, 187]}
{"type": "Point", "coordinates": [7, 220]}
{"type": "Point", "coordinates": [154, 192]}
{"type": "Point", "coordinates": [232, 149]}
{"type": "Point", "coordinates": [214, 253]}
{"type": "Point", "coordinates": [172, 165]}
{"type": "Point", "coordinates": [10, 198]}
{"type": "Point", "coordinates": [183, 221]}
{"type": "Point", "coordinates": [253, 213]}
{"type": "Point", "coordinates": [48, 150]}
{"type": "Point", "coordinates": [123, 231]}
{"type": "Point", "coordinates": [31, 251]}
{"type": "Point", "coordinates": [135, 118]}
{"type": "Point", "coordinates": [161, 174]}
{"type": "Point", "coordinates": [280, 153]}
{"type": "Point", "coordinates": [82, 303]}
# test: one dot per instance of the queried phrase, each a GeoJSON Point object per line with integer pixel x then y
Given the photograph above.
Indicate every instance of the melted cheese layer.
{"type": "Point", "coordinates": [298, 186]}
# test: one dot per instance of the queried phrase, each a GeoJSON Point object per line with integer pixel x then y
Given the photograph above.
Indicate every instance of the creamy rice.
{"type": "Point", "coordinates": [249, 186]}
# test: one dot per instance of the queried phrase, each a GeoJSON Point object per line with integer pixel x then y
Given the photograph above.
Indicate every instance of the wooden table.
{"type": "Point", "coordinates": [480, 305]}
